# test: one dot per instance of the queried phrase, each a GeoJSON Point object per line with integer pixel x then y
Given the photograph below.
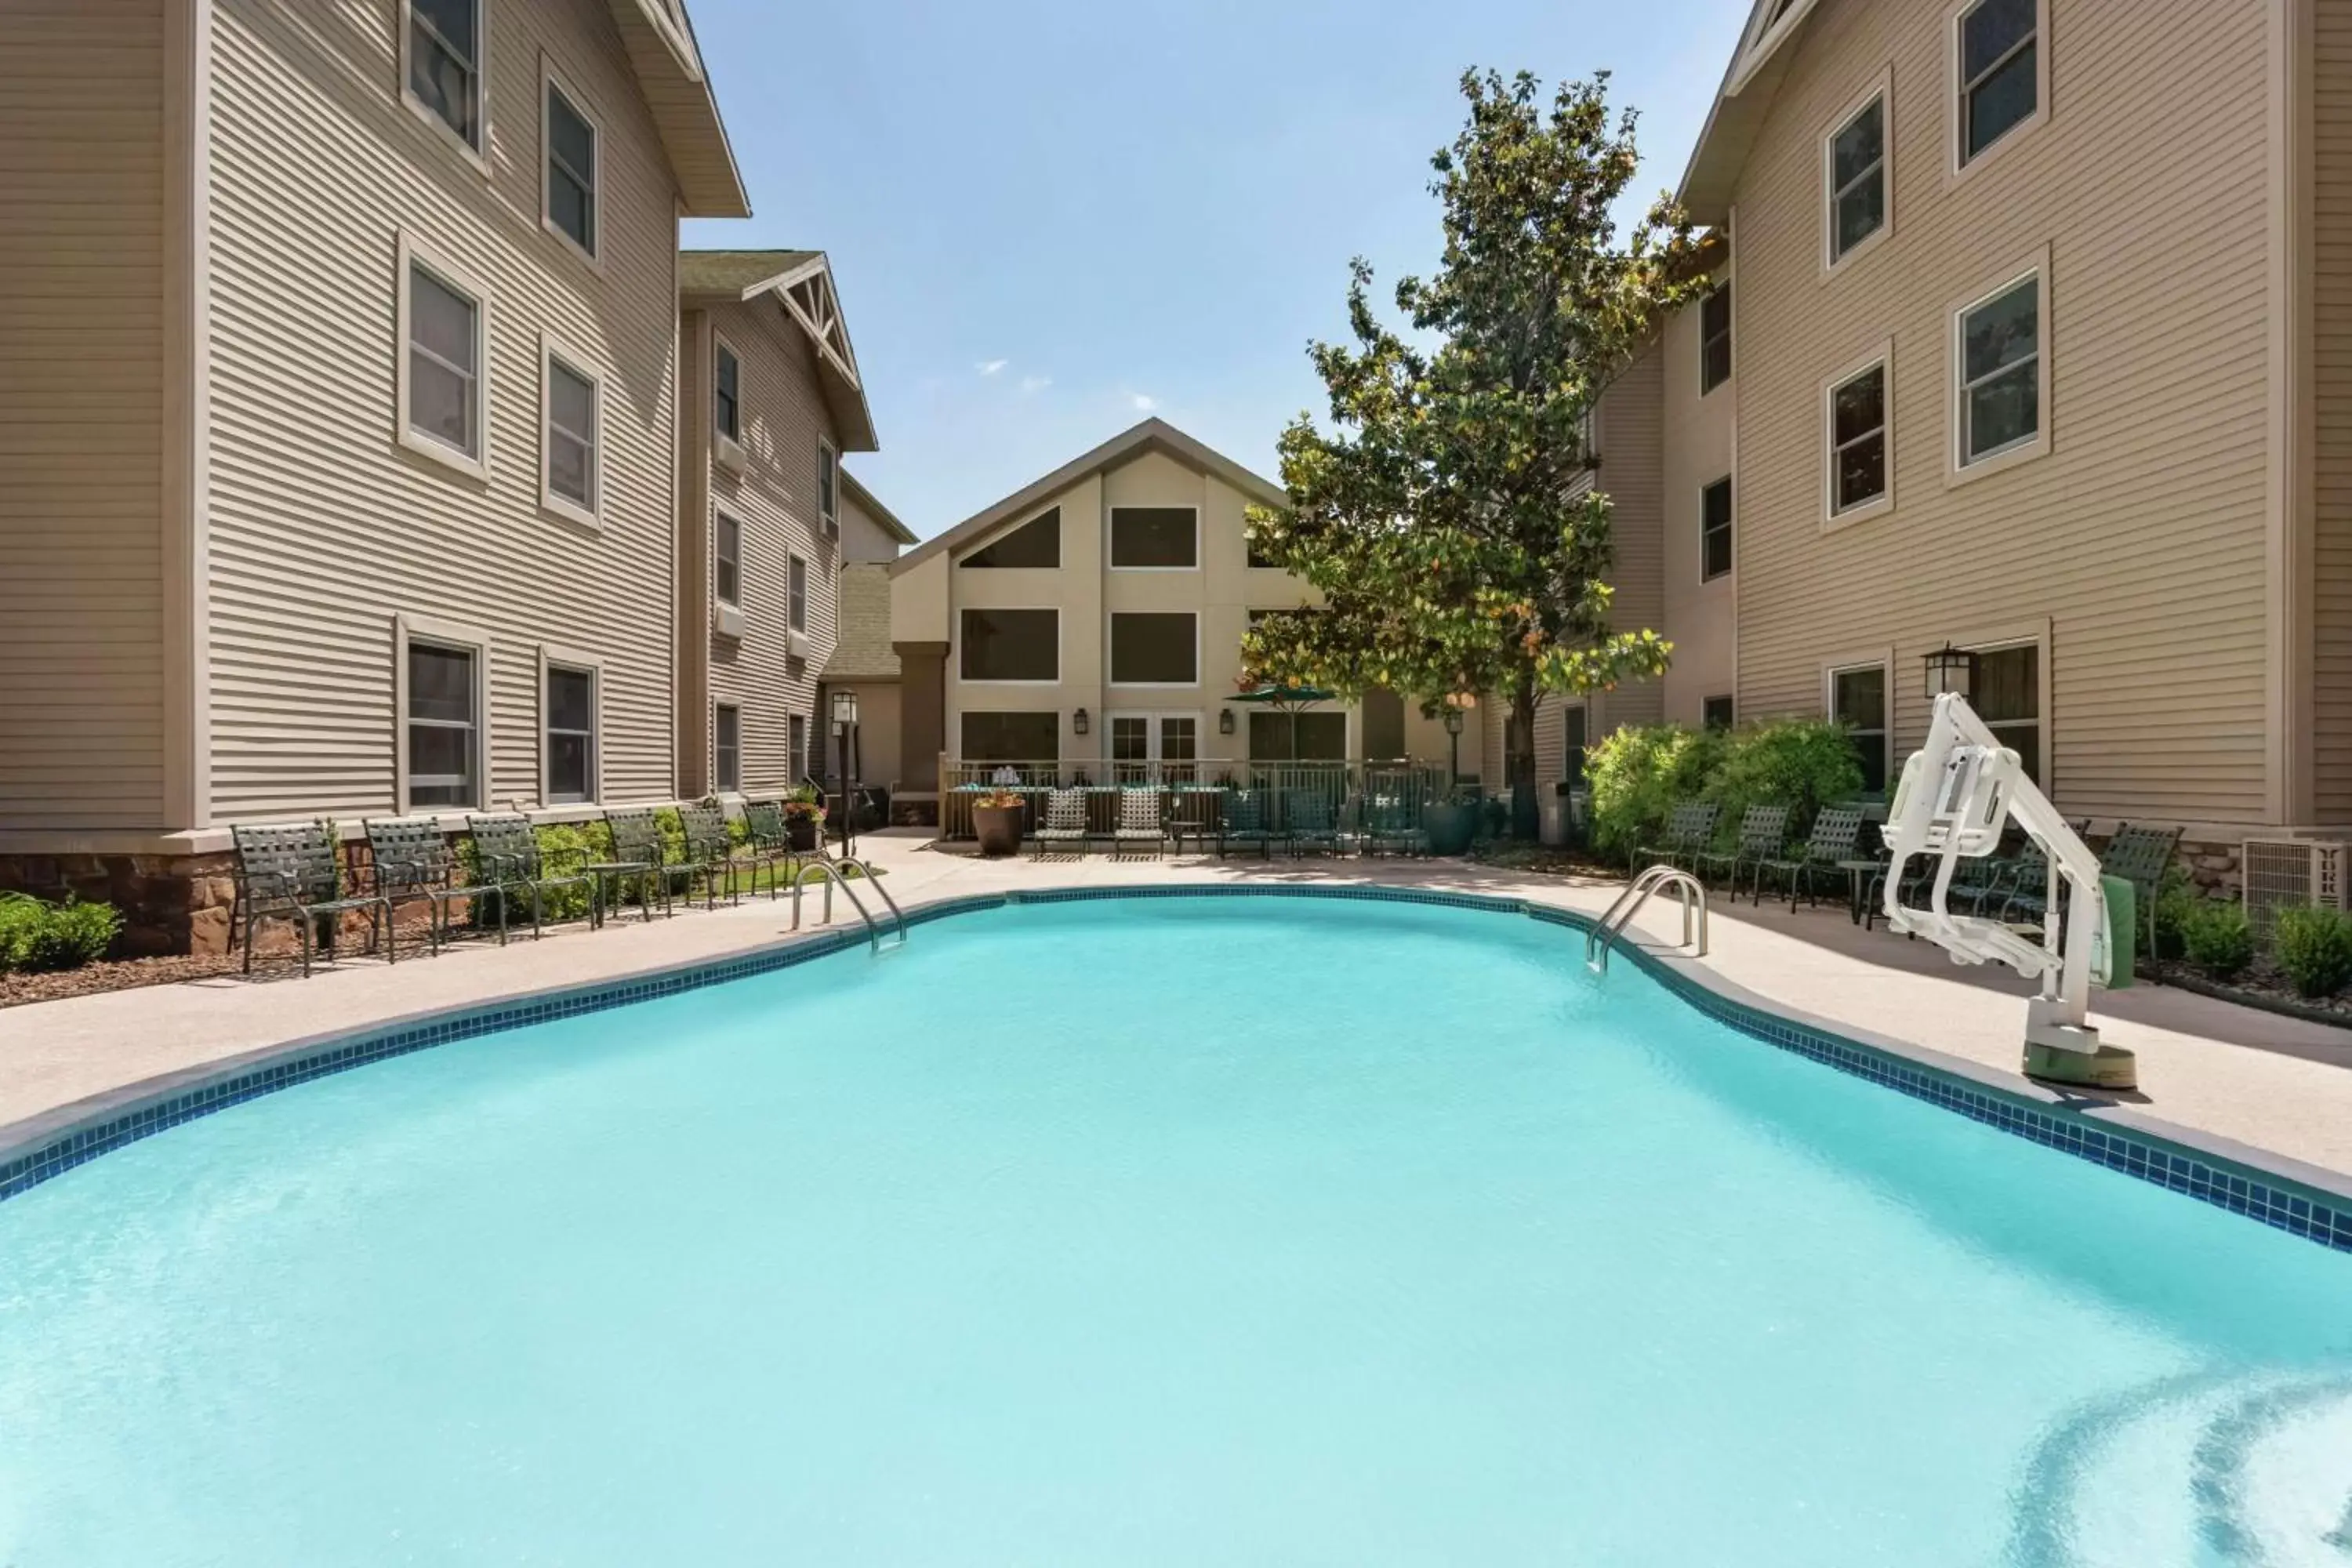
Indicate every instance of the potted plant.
{"type": "Point", "coordinates": [1450, 824]}
{"type": "Point", "coordinates": [996, 820]}
{"type": "Point", "coordinates": [803, 818]}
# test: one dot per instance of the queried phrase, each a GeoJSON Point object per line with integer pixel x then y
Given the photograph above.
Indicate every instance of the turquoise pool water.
{"type": "Point", "coordinates": [1182, 1231]}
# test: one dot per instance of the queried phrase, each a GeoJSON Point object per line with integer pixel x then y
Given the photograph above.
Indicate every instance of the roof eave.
{"type": "Point", "coordinates": [1750, 84]}
{"type": "Point", "coordinates": [686, 115]}
{"type": "Point", "coordinates": [881, 514]}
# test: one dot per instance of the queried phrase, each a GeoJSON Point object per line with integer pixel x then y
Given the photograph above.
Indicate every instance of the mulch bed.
{"type": "Point", "coordinates": [117, 975]}
{"type": "Point", "coordinates": [2261, 986]}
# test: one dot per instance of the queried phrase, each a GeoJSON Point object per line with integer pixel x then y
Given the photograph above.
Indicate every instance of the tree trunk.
{"type": "Point", "coordinates": [1520, 763]}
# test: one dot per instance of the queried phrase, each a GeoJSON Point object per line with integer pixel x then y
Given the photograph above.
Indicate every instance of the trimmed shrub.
{"type": "Point", "coordinates": [2315, 948]}
{"type": "Point", "coordinates": [2219, 939]}
{"type": "Point", "coordinates": [1801, 764]}
{"type": "Point", "coordinates": [1639, 773]}
{"type": "Point", "coordinates": [35, 936]}
{"type": "Point", "coordinates": [2178, 899]}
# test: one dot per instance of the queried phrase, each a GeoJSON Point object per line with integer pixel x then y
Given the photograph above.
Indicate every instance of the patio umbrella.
{"type": "Point", "coordinates": [1287, 700]}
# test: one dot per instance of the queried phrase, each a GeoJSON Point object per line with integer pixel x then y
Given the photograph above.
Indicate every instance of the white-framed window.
{"type": "Point", "coordinates": [1036, 544]}
{"type": "Point", "coordinates": [1575, 743]}
{"type": "Point", "coordinates": [1717, 712]}
{"type": "Point", "coordinates": [1857, 417]}
{"type": "Point", "coordinates": [1715, 530]}
{"type": "Point", "coordinates": [1856, 188]}
{"type": "Point", "coordinates": [797, 592]}
{"type": "Point", "coordinates": [445, 57]}
{"type": "Point", "coordinates": [796, 745]}
{"type": "Point", "coordinates": [726, 390]}
{"type": "Point", "coordinates": [727, 558]}
{"type": "Point", "coordinates": [1012, 646]}
{"type": "Point", "coordinates": [572, 428]}
{"type": "Point", "coordinates": [440, 680]}
{"type": "Point", "coordinates": [1714, 338]}
{"type": "Point", "coordinates": [568, 697]}
{"type": "Point", "coordinates": [2007, 695]}
{"type": "Point", "coordinates": [573, 142]}
{"type": "Point", "coordinates": [1006, 737]}
{"type": "Point", "coordinates": [444, 361]}
{"type": "Point", "coordinates": [828, 488]}
{"type": "Point", "coordinates": [1857, 698]}
{"type": "Point", "coordinates": [2000, 74]}
{"type": "Point", "coordinates": [1155, 647]}
{"type": "Point", "coordinates": [726, 746]}
{"type": "Point", "coordinates": [1155, 538]}
{"type": "Point", "coordinates": [2001, 373]}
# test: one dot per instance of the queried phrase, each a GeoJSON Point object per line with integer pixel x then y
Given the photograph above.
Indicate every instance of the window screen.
{"type": "Point", "coordinates": [1154, 536]}
{"type": "Point", "coordinates": [1157, 649]}
{"type": "Point", "coordinates": [1012, 645]}
{"type": "Point", "coordinates": [1037, 543]}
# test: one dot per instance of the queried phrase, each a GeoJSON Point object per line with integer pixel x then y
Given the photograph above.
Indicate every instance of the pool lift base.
{"type": "Point", "coordinates": [1957, 796]}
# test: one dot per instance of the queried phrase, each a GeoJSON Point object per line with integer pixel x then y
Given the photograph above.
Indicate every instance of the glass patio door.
{"type": "Point", "coordinates": [1155, 747]}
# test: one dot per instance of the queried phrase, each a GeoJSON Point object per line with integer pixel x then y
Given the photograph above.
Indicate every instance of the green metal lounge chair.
{"type": "Point", "coordinates": [709, 853]}
{"type": "Point", "coordinates": [1690, 829]}
{"type": "Point", "coordinates": [290, 874]}
{"type": "Point", "coordinates": [1763, 833]}
{"type": "Point", "coordinates": [508, 860]}
{"type": "Point", "coordinates": [1065, 822]}
{"type": "Point", "coordinates": [2139, 856]}
{"type": "Point", "coordinates": [1244, 821]}
{"type": "Point", "coordinates": [637, 853]}
{"type": "Point", "coordinates": [1312, 822]}
{"type": "Point", "coordinates": [412, 863]}
{"type": "Point", "coordinates": [1391, 826]}
{"type": "Point", "coordinates": [1831, 842]}
{"type": "Point", "coordinates": [1142, 819]}
{"type": "Point", "coordinates": [769, 843]}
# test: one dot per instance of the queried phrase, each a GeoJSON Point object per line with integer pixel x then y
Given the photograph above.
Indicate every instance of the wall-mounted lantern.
{"type": "Point", "coordinates": [1079, 723]}
{"type": "Point", "coordinates": [1951, 670]}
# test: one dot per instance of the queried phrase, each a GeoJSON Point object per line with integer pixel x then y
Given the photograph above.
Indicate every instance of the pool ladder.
{"type": "Point", "coordinates": [831, 871]}
{"type": "Point", "coordinates": [1689, 888]}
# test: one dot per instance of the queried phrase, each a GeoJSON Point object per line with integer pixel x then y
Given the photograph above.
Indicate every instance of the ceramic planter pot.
{"type": "Point", "coordinates": [998, 829]}
{"type": "Point", "coordinates": [1450, 828]}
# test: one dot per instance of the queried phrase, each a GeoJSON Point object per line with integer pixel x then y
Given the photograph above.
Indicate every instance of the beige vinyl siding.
{"type": "Point", "coordinates": [81, 413]}
{"type": "Point", "coordinates": [1700, 614]}
{"type": "Point", "coordinates": [1633, 459]}
{"type": "Point", "coordinates": [2141, 539]}
{"type": "Point", "coordinates": [322, 527]}
{"type": "Point", "coordinates": [776, 499]}
{"type": "Point", "coordinates": [2331, 384]}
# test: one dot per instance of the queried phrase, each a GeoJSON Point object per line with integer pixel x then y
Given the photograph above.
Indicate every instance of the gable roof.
{"type": "Point", "coordinates": [659, 38]}
{"type": "Point", "coordinates": [862, 649]}
{"type": "Point", "coordinates": [1751, 82]}
{"type": "Point", "coordinates": [883, 518]}
{"type": "Point", "coordinates": [802, 283]}
{"type": "Point", "coordinates": [1154, 434]}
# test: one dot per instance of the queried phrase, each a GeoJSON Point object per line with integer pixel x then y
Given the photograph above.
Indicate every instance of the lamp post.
{"type": "Point", "coordinates": [1951, 670]}
{"type": "Point", "coordinates": [1454, 745]}
{"type": "Point", "coordinates": [845, 723]}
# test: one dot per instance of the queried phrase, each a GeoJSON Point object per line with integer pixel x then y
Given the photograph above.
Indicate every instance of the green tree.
{"type": "Point", "coordinates": [1451, 518]}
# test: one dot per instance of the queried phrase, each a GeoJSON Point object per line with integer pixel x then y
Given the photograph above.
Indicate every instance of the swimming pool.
{"type": "Point", "coordinates": [1174, 1230]}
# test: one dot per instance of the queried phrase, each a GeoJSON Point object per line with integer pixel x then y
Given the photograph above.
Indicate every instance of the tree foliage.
{"type": "Point", "coordinates": [1451, 516]}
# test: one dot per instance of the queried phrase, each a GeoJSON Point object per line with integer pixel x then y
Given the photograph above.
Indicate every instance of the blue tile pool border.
{"type": "Point", "coordinates": [2075, 1126]}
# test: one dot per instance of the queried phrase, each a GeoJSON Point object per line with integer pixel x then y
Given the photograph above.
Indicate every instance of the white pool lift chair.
{"type": "Point", "coordinates": [1958, 794]}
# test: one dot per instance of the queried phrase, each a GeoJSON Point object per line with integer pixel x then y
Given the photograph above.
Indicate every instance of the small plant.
{"type": "Point", "coordinates": [2219, 939]}
{"type": "Point", "coordinates": [2178, 899]}
{"type": "Point", "coordinates": [35, 936]}
{"type": "Point", "coordinates": [804, 805]}
{"type": "Point", "coordinates": [999, 799]}
{"type": "Point", "coordinates": [2315, 948]}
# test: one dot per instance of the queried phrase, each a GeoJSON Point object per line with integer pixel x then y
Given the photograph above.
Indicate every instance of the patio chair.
{"type": "Point", "coordinates": [2137, 855]}
{"type": "Point", "coordinates": [1312, 822]}
{"type": "Point", "coordinates": [1242, 821]}
{"type": "Point", "coordinates": [1065, 822]}
{"type": "Point", "coordinates": [1389, 826]}
{"type": "Point", "coordinates": [709, 853]}
{"type": "Point", "coordinates": [769, 843]}
{"type": "Point", "coordinates": [508, 860]}
{"type": "Point", "coordinates": [1142, 819]}
{"type": "Point", "coordinates": [1763, 833]}
{"type": "Point", "coordinates": [1825, 850]}
{"type": "Point", "coordinates": [290, 874]}
{"type": "Point", "coordinates": [412, 863]}
{"type": "Point", "coordinates": [636, 852]}
{"type": "Point", "coordinates": [1690, 829]}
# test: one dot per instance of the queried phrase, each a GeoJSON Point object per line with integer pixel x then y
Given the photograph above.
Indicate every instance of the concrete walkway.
{"type": "Point", "coordinates": [2273, 1083]}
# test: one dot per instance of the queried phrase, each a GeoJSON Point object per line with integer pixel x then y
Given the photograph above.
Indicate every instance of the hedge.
{"type": "Point", "coordinates": [36, 936]}
{"type": "Point", "coordinates": [1639, 773]}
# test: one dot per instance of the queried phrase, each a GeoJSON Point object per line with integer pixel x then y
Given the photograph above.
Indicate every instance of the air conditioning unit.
{"type": "Point", "coordinates": [2289, 874]}
{"type": "Point", "coordinates": [726, 619]}
{"type": "Point", "coordinates": [796, 644]}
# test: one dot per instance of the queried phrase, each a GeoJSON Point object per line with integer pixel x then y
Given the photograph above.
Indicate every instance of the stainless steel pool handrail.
{"type": "Point", "coordinates": [831, 871]}
{"type": "Point", "coordinates": [1599, 939]}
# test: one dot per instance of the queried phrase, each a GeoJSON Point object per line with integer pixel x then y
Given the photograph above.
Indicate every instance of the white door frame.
{"type": "Point", "coordinates": [1155, 744]}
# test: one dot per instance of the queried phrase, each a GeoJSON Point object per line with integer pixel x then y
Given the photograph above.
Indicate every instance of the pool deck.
{"type": "Point", "coordinates": [2275, 1085]}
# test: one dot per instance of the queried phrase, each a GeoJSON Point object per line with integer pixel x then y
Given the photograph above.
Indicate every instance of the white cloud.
{"type": "Point", "coordinates": [1144, 402]}
{"type": "Point", "coordinates": [1035, 382]}
{"type": "Point", "coordinates": [991, 366]}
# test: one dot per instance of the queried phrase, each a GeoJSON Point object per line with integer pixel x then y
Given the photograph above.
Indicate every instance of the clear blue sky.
{"type": "Point", "coordinates": [1049, 217]}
